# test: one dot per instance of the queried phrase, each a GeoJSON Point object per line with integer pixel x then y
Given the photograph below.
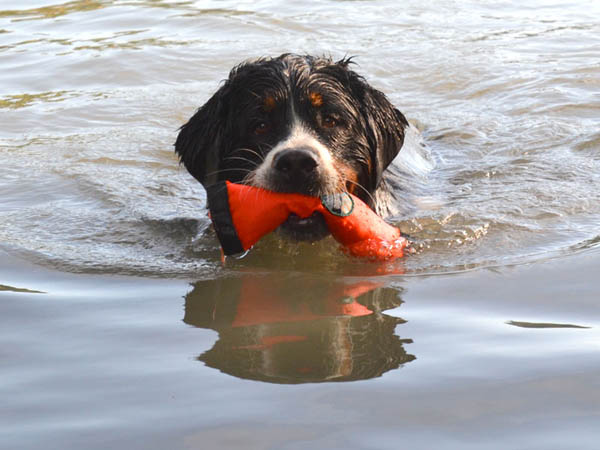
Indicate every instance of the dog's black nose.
{"type": "Point", "coordinates": [295, 164]}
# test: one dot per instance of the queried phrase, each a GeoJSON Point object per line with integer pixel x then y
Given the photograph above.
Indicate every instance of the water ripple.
{"type": "Point", "coordinates": [93, 93]}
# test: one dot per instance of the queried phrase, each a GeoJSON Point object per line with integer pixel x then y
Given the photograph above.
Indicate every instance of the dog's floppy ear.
{"type": "Point", "coordinates": [386, 129]}
{"type": "Point", "coordinates": [200, 140]}
{"type": "Point", "coordinates": [384, 125]}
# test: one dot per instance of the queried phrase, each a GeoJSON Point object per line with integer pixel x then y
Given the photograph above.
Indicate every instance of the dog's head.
{"type": "Point", "coordinates": [294, 124]}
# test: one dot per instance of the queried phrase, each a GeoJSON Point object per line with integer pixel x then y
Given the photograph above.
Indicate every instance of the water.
{"type": "Point", "coordinates": [121, 328]}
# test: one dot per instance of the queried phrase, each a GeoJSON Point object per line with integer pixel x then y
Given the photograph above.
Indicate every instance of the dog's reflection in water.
{"type": "Point", "coordinates": [298, 329]}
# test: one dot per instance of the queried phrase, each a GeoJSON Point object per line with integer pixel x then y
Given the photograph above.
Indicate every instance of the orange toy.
{"type": "Point", "coordinates": [243, 214]}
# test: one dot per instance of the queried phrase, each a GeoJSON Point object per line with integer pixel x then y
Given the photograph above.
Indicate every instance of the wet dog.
{"type": "Point", "coordinates": [299, 124]}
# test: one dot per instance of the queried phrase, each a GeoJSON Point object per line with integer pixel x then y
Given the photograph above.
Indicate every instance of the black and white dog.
{"type": "Point", "coordinates": [299, 124]}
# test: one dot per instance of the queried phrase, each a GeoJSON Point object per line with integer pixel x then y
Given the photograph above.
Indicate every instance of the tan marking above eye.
{"type": "Point", "coordinates": [316, 99]}
{"type": "Point", "coordinates": [269, 104]}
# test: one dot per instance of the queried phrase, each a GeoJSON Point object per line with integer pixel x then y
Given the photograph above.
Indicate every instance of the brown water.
{"type": "Point", "coordinates": [119, 327]}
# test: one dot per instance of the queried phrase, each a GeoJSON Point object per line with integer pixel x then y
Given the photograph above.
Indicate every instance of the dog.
{"type": "Point", "coordinates": [297, 124]}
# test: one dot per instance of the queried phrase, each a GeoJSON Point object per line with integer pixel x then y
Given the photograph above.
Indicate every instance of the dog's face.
{"type": "Point", "coordinates": [294, 124]}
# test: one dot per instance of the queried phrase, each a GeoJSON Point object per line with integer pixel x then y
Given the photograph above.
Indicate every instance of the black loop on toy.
{"type": "Point", "coordinates": [218, 204]}
{"type": "Point", "coordinates": [340, 204]}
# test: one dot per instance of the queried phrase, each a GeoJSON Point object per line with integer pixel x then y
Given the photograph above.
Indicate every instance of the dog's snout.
{"type": "Point", "coordinates": [296, 163]}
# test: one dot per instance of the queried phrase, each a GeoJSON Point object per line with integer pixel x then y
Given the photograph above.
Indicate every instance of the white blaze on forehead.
{"type": "Point", "coordinates": [299, 137]}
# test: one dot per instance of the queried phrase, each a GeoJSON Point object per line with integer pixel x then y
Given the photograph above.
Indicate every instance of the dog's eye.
{"type": "Point", "coordinates": [262, 128]}
{"type": "Point", "coordinates": [329, 122]}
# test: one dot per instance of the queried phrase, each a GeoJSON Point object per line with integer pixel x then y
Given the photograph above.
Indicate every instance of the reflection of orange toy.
{"type": "Point", "coordinates": [243, 214]}
{"type": "Point", "coordinates": [284, 327]}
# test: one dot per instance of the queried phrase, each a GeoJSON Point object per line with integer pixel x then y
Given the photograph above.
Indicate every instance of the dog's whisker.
{"type": "Point", "coordinates": [249, 150]}
{"type": "Point", "coordinates": [241, 158]}
{"type": "Point", "coordinates": [268, 146]}
{"type": "Point", "coordinates": [248, 179]}
{"type": "Point", "coordinates": [361, 187]}
{"type": "Point", "coordinates": [226, 170]}
{"type": "Point", "coordinates": [255, 94]}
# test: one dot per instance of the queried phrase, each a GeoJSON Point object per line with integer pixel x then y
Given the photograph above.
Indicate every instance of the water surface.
{"type": "Point", "coordinates": [122, 329]}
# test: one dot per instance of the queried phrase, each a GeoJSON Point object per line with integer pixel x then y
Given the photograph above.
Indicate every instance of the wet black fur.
{"type": "Point", "coordinates": [220, 140]}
